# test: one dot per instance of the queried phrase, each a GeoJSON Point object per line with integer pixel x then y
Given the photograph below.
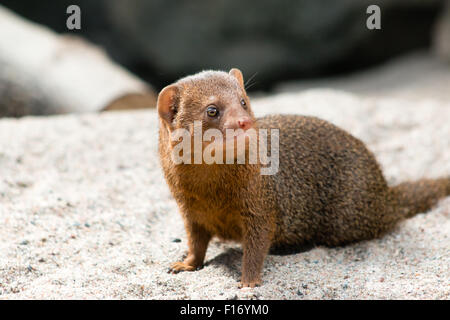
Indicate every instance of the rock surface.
{"type": "Point", "coordinates": [416, 76]}
{"type": "Point", "coordinates": [85, 212]}
{"type": "Point", "coordinates": [441, 39]}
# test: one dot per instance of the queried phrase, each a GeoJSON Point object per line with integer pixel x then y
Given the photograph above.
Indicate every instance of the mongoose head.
{"type": "Point", "coordinates": [216, 98]}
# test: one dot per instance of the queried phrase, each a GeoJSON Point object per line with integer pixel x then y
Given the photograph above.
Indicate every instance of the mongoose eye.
{"type": "Point", "coordinates": [212, 112]}
{"type": "Point", "coordinates": [243, 103]}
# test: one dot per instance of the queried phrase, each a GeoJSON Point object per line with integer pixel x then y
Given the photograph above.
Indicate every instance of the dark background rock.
{"type": "Point", "coordinates": [278, 40]}
{"type": "Point", "coordinates": [441, 39]}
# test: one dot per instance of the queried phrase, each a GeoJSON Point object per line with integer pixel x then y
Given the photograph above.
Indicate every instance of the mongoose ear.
{"type": "Point", "coordinates": [168, 103]}
{"type": "Point", "coordinates": [238, 75]}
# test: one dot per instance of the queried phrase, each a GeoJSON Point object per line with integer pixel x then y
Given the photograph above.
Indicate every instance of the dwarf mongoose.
{"type": "Point", "coordinates": [329, 188]}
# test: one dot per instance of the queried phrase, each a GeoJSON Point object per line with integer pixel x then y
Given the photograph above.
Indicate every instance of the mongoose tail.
{"type": "Point", "coordinates": [420, 196]}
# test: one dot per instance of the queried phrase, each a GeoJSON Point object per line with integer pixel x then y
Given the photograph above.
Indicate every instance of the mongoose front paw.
{"type": "Point", "coordinates": [249, 284]}
{"type": "Point", "coordinates": [181, 266]}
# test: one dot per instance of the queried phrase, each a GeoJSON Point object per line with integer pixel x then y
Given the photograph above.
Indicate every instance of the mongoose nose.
{"type": "Point", "coordinates": [245, 123]}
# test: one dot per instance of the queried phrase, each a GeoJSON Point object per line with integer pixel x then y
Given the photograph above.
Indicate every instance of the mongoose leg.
{"type": "Point", "coordinates": [198, 239]}
{"type": "Point", "coordinates": [256, 245]}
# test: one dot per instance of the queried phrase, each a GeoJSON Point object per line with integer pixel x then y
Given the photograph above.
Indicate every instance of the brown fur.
{"type": "Point", "coordinates": [132, 101]}
{"type": "Point", "coordinates": [329, 188]}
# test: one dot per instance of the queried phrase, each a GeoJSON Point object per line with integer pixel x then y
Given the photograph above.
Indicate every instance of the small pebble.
{"type": "Point", "coordinates": [22, 184]}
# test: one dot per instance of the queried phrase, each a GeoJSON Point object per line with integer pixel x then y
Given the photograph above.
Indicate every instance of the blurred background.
{"type": "Point", "coordinates": [280, 44]}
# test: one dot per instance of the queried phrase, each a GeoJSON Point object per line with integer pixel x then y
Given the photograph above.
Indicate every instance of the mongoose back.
{"type": "Point", "coordinates": [329, 188]}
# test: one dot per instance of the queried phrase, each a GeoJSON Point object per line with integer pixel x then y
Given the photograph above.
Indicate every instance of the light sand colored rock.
{"type": "Point", "coordinates": [416, 76]}
{"type": "Point", "coordinates": [85, 212]}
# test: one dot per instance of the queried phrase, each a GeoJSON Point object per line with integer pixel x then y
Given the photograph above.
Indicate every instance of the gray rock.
{"type": "Point", "coordinates": [162, 40]}
{"type": "Point", "coordinates": [442, 35]}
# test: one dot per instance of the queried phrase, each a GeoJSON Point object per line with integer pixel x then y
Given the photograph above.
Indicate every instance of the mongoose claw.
{"type": "Point", "coordinates": [181, 266]}
{"type": "Point", "coordinates": [249, 284]}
